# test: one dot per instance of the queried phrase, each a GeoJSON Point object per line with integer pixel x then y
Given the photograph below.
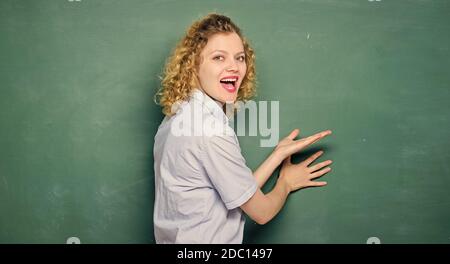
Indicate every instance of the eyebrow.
{"type": "Point", "coordinates": [225, 51]}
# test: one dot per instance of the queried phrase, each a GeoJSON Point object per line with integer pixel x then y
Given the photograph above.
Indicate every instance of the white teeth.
{"type": "Point", "coordinates": [229, 80]}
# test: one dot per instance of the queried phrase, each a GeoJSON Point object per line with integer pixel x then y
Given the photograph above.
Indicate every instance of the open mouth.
{"type": "Point", "coordinates": [229, 83]}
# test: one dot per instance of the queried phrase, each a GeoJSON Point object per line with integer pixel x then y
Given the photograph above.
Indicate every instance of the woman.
{"type": "Point", "coordinates": [202, 185]}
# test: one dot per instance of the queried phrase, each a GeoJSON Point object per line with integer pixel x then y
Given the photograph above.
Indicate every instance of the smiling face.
{"type": "Point", "coordinates": [222, 67]}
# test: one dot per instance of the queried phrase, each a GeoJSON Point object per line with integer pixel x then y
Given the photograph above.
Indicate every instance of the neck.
{"type": "Point", "coordinates": [222, 105]}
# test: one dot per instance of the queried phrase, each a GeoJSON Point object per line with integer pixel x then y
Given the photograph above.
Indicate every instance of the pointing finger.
{"type": "Point", "coordinates": [312, 158]}
{"type": "Point", "coordinates": [314, 138]}
{"type": "Point", "coordinates": [298, 145]}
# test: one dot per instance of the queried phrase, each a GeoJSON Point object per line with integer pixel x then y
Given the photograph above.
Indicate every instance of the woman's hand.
{"type": "Point", "coordinates": [297, 176]}
{"type": "Point", "coordinates": [285, 148]}
{"type": "Point", "coordinates": [288, 145]}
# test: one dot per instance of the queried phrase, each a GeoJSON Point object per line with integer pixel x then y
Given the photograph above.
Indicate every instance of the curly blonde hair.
{"type": "Point", "coordinates": [179, 76]}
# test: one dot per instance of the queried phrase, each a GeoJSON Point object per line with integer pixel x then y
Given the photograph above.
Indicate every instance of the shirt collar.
{"type": "Point", "coordinates": [212, 105]}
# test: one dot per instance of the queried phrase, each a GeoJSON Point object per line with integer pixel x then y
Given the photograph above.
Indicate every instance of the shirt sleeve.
{"type": "Point", "coordinates": [226, 168]}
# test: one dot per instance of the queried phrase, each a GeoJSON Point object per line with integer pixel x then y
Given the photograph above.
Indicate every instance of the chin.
{"type": "Point", "coordinates": [232, 97]}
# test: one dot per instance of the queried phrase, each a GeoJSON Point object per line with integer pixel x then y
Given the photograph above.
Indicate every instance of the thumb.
{"type": "Point", "coordinates": [294, 134]}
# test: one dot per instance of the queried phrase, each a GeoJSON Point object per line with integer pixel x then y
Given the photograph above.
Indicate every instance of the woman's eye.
{"type": "Point", "coordinates": [221, 58]}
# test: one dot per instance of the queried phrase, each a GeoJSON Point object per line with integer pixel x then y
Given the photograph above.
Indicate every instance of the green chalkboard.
{"type": "Point", "coordinates": [77, 117]}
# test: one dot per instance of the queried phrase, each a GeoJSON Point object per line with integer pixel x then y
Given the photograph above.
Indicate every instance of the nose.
{"type": "Point", "coordinates": [232, 66]}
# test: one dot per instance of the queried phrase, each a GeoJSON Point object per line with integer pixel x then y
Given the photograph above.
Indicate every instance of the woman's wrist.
{"type": "Point", "coordinates": [284, 186]}
{"type": "Point", "coordinates": [277, 157]}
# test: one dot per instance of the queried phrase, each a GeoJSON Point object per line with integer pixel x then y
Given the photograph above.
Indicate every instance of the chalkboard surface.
{"type": "Point", "coordinates": [77, 117]}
